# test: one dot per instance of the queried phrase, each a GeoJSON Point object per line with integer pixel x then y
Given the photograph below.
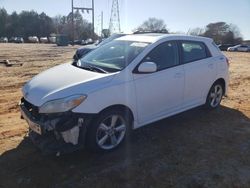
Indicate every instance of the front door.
{"type": "Point", "coordinates": [161, 92]}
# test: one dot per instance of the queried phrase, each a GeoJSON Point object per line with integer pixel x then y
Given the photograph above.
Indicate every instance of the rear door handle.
{"type": "Point", "coordinates": [211, 66]}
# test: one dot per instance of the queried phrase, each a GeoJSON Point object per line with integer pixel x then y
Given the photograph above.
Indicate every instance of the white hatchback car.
{"type": "Point", "coordinates": [125, 84]}
{"type": "Point", "coordinates": [239, 48]}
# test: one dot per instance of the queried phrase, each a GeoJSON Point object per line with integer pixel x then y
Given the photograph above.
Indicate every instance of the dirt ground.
{"type": "Point", "coordinates": [193, 149]}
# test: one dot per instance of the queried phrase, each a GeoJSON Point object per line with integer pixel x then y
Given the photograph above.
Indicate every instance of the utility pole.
{"type": "Point", "coordinates": [72, 21]}
{"type": "Point", "coordinates": [83, 9]}
{"type": "Point", "coordinates": [101, 22]}
{"type": "Point", "coordinates": [93, 16]}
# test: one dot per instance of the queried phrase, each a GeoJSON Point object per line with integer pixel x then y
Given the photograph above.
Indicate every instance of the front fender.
{"type": "Point", "coordinates": [122, 94]}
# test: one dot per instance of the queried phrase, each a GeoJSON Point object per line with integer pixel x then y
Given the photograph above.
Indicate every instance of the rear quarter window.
{"type": "Point", "coordinates": [194, 51]}
{"type": "Point", "coordinates": [216, 46]}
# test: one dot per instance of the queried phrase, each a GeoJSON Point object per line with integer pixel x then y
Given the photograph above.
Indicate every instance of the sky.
{"type": "Point", "coordinates": [179, 15]}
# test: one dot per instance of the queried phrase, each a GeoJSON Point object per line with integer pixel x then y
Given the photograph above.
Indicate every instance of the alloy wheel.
{"type": "Point", "coordinates": [216, 95]}
{"type": "Point", "coordinates": [110, 132]}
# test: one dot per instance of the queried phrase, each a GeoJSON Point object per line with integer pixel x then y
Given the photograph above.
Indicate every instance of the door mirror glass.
{"type": "Point", "coordinates": [147, 67]}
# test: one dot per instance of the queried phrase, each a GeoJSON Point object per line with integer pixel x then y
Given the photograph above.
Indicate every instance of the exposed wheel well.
{"type": "Point", "coordinates": [127, 111]}
{"type": "Point", "coordinates": [222, 81]}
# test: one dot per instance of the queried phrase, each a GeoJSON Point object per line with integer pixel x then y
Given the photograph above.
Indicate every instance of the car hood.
{"type": "Point", "coordinates": [63, 81]}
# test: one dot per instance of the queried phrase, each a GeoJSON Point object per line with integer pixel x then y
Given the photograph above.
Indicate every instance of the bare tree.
{"type": "Point", "coordinates": [153, 24]}
{"type": "Point", "coordinates": [82, 28]}
{"type": "Point", "coordinates": [196, 31]}
{"type": "Point", "coordinates": [223, 33]}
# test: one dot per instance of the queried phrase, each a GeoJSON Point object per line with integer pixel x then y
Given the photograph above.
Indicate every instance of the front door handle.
{"type": "Point", "coordinates": [178, 75]}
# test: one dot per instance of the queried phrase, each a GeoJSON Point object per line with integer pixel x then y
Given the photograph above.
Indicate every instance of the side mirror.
{"type": "Point", "coordinates": [147, 67]}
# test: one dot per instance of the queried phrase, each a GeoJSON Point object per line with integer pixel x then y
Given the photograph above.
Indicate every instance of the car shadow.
{"type": "Point", "coordinates": [186, 149]}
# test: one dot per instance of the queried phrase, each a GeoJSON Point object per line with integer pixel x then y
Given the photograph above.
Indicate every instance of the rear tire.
{"type": "Point", "coordinates": [108, 131]}
{"type": "Point", "coordinates": [214, 96]}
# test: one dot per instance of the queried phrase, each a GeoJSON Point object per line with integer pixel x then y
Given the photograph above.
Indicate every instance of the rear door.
{"type": "Point", "coordinates": [200, 71]}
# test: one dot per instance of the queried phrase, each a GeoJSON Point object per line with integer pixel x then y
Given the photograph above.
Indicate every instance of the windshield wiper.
{"type": "Point", "coordinates": [97, 69]}
{"type": "Point", "coordinates": [93, 68]}
{"type": "Point", "coordinates": [90, 67]}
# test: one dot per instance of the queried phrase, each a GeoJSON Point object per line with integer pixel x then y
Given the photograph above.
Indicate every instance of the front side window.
{"type": "Point", "coordinates": [113, 56]}
{"type": "Point", "coordinates": [164, 56]}
{"type": "Point", "coordinates": [193, 51]}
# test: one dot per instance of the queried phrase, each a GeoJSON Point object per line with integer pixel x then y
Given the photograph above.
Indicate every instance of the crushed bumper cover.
{"type": "Point", "coordinates": [50, 145]}
{"type": "Point", "coordinates": [46, 132]}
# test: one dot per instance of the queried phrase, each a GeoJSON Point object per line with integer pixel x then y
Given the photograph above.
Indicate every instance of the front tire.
{"type": "Point", "coordinates": [108, 131]}
{"type": "Point", "coordinates": [214, 96]}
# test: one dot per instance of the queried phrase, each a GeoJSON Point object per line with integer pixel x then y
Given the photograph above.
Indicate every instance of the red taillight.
{"type": "Point", "coordinates": [228, 63]}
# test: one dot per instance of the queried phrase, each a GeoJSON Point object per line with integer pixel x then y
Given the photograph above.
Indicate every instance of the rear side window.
{"type": "Point", "coordinates": [165, 55]}
{"type": "Point", "coordinates": [193, 51]}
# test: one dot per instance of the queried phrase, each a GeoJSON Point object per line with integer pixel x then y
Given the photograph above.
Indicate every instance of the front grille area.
{"type": "Point", "coordinates": [31, 108]}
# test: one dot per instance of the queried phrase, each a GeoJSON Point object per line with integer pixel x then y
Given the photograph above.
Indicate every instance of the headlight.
{"type": "Point", "coordinates": [62, 105]}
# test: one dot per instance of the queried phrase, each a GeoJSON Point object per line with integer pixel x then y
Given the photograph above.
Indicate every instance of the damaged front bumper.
{"type": "Point", "coordinates": [55, 133]}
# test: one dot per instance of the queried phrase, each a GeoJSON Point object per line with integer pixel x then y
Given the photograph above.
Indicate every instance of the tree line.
{"type": "Point", "coordinates": [220, 32]}
{"type": "Point", "coordinates": [30, 23]}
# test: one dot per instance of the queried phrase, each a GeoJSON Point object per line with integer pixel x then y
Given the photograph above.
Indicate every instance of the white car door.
{"type": "Point", "coordinates": [161, 92]}
{"type": "Point", "coordinates": [200, 72]}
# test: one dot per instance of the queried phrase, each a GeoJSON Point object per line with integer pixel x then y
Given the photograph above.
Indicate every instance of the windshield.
{"type": "Point", "coordinates": [113, 56]}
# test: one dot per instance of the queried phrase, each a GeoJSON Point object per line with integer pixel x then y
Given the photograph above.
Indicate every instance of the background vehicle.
{"type": "Point", "coordinates": [44, 40]}
{"type": "Point", "coordinates": [153, 76]}
{"type": "Point", "coordinates": [224, 47]}
{"type": "Point", "coordinates": [4, 39]}
{"type": "Point", "coordinates": [19, 40]}
{"type": "Point", "coordinates": [33, 39]}
{"type": "Point", "coordinates": [89, 41]}
{"type": "Point", "coordinates": [62, 40]}
{"type": "Point", "coordinates": [239, 48]}
{"type": "Point", "coordinates": [16, 40]}
{"type": "Point", "coordinates": [12, 39]}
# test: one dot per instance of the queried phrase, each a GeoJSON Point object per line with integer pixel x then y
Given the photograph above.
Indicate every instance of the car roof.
{"type": "Point", "coordinates": [153, 37]}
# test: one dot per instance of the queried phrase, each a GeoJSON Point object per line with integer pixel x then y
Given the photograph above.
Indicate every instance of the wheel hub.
{"type": "Point", "coordinates": [110, 131]}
